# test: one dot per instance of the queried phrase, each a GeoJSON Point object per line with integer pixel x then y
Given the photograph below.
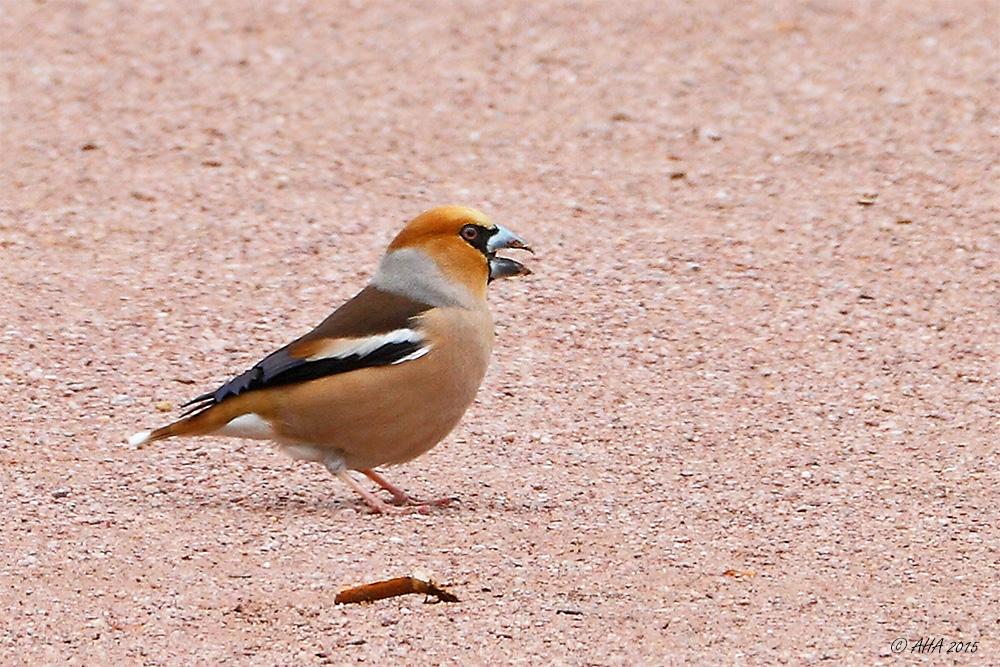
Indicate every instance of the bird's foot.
{"type": "Point", "coordinates": [402, 503]}
{"type": "Point", "coordinates": [400, 497]}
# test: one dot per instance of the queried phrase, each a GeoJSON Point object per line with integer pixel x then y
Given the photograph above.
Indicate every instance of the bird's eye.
{"type": "Point", "coordinates": [470, 232]}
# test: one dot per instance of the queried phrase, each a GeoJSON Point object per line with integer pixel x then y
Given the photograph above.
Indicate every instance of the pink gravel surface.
{"type": "Point", "coordinates": [761, 337]}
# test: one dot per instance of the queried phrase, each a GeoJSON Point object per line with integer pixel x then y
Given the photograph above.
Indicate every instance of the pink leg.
{"type": "Point", "coordinates": [399, 496]}
{"type": "Point", "coordinates": [378, 505]}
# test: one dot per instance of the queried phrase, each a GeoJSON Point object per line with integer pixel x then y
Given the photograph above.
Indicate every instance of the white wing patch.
{"type": "Point", "coordinates": [414, 355]}
{"type": "Point", "coordinates": [340, 348]}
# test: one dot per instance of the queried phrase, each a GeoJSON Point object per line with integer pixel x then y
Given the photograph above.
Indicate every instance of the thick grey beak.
{"type": "Point", "coordinates": [503, 267]}
{"type": "Point", "coordinates": [504, 238]}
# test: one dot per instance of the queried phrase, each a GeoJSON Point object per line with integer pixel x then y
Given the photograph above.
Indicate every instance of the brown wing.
{"type": "Point", "coordinates": [370, 313]}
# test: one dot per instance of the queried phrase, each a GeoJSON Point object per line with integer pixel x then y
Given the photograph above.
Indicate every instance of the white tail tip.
{"type": "Point", "coordinates": [139, 439]}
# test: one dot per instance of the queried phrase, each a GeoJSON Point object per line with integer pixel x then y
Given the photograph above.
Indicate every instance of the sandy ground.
{"type": "Point", "coordinates": [745, 411]}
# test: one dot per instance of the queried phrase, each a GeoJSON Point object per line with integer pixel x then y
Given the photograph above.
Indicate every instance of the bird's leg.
{"type": "Point", "coordinates": [399, 496]}
{"type": "Point", "coordinates": [335, 465]}
{"type": "Point", "coordinates": [378, 505]}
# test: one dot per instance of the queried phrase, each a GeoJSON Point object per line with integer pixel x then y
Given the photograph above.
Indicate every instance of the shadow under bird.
{"type": "Point", "coordinates": [386, 376]}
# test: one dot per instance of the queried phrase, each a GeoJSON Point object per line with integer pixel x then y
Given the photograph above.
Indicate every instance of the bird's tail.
{"type": "Point", "coordinates": [143, 438]}
{"type": "Point", "coordinates": [206, 421]}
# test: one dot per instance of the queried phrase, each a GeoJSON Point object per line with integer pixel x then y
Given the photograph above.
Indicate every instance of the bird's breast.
{"type": "Point", "coordinates": [391, 414]}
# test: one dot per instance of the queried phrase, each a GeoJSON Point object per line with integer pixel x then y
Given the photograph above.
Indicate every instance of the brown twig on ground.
{"type": "Point", "coordinates": [381, 590]}
{"type": "Point", "coordinates": [740, 574]}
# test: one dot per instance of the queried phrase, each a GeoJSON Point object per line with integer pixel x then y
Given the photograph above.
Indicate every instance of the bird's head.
{"type": "Point", "coordinates": [448, 249]}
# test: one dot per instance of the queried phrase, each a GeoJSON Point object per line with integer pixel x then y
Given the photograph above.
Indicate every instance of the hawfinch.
{"type": "Point", "coordinates": [389, 374]}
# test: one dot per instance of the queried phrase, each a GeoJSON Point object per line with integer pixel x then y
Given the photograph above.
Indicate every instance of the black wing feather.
{"type": "Point", "coordinates": [280, 369]}
{"type": "Point", "coordinates": [370, 312]}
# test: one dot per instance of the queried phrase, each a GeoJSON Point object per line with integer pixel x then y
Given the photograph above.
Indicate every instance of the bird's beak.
{"type": "Point", "coordinates": [503, 267]}
{"type": "Point", "coordinates": [504, 238]}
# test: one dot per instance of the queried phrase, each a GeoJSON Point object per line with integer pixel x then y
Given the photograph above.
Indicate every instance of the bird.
{"type": "Point", "coordinates": [386, 376]}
